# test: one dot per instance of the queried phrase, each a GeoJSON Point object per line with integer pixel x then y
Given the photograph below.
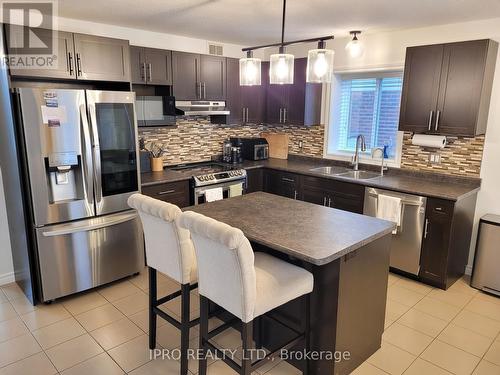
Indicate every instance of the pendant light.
{"type": "Point", "coordinates": [320, 64]}
{"type": "Point", "coordinates": [355, 47]}
{"type": "Point", "coordinates": [281, 64]}
{"type": "Point", "coordinates": [250, 70]}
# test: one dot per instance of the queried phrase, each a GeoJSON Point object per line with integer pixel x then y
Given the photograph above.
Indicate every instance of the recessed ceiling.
{"type": "Point", "coordinates": [250, 22]}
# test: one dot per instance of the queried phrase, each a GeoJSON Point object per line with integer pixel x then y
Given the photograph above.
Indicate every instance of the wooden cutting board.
{"type": "Point", "coordinates": [278, 144]}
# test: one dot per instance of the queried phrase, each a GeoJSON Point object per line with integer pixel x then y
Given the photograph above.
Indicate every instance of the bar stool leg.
{"type": "Point", "coordinates": [185, 319]}
{"type": "Point", "coordinates": [202, 363]}
{"type": "Point", "coordinates": [307, 330]}
{"type": "Point", "coordinates": [152, 305]}
{"type": "Point", "coordinates": [247, 338]}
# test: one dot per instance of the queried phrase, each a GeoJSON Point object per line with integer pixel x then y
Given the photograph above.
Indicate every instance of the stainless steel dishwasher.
{"type": "Point", "coordinates": [407, 242]}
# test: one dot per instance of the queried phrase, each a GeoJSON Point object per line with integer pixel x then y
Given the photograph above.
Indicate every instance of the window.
{"type": "Point", "coordinates": [366, 104]}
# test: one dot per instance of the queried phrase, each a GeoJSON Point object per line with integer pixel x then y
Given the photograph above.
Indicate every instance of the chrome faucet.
{"type": "Point", "coordinates": [381, 151]}
{"type": "Point", "coordinates": [355, 159]}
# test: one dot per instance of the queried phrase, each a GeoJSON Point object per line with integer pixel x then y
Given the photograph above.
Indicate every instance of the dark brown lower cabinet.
{"type": "Point", "coordinates": [446, 242]}
{"type": "Point", "coordinates": [281, 183]}
{"type": "Point", "coordinates": [255, 180]}
{"type": "Point", "coordinates": [173, 192]}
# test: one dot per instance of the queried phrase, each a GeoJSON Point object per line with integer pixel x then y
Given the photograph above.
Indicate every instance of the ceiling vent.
{"type": "Point", "coordinates": [215, 49]}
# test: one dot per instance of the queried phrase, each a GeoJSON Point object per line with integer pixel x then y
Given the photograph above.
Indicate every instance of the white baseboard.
{"type": "Point", "coordinates": [7, 278]}
{"type": "Point", "coordinates": [468, 270]}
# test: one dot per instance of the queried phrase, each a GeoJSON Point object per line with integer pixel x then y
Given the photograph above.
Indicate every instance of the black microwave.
{"type": "Point", "coordinates": [155, 111]}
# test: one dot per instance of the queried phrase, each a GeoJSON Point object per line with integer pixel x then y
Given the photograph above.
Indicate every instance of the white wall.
{"type": "Point", "coordinates": [382, 50]}
{"type": "Point", "coordinates": [6, 270]}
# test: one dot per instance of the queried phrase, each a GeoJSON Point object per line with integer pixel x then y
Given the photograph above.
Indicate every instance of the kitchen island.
{"type": "Point", "coordinates": [348, 255]}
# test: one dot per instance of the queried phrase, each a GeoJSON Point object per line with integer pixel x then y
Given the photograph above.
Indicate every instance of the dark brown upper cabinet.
{"type": "Point", "coordinates": [296, 104]}
{"type": "Point", "coordinates": [246, 103]}
{"type": "Point", "coordinates": [198, 77]}
{"type": "Point", "coordinates": [447, 88]}
{"type": "Point", "coordinates": [84, 57]}
{"type": "Point", "coordinates": [151, 66]}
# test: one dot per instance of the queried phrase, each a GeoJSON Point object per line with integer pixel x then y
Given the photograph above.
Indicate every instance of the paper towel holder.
{"type": "Point", "coordinates": [429, 141]}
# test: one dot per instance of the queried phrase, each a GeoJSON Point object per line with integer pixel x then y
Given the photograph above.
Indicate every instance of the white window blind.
{"type": "Point", "coordinates": [367, 105]}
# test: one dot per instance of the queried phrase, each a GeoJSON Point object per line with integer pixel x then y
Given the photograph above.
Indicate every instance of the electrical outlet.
{"type": "Point", "coordinates": [434, 158]}
{"type": "Point", "coordinates": [301, 144]}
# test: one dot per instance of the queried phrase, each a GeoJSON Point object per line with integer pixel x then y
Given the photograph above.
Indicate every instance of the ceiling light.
{"type": "Point", "coordinates": [250, 70]}
{"type": "Point", "coordinates": [355, 47]}
{"type": "Point", "coordinates": [281, 68]}
{"type": "Point", "coordinates": [320, 64]}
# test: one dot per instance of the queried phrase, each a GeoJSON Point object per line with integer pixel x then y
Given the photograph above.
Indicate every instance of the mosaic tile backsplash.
{"type": "Point", "coordinates": [196, 139]}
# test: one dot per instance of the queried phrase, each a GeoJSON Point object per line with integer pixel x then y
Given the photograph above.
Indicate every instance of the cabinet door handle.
{"type": "Point", "coordinates": [150, 68]}
{"type": "Point", "coordinates": [295, 194]}
{"type": "Point", "coordinates": [286, 179]}
{"type": "Point", "coordinates": [329, 202]}
{"type": "Point", "coordinates": [247, 114]}
{"type": "Point", "coordinates": [78, 65]}
{"type": "Point", "coordinates": [324, 201]}
{"type": "Point", "coordinates": [70, 63]}
{"type": "Point", "coordinates": [243, 114]}
{"type": "Point", "coordinates": [430, 119]}
{"type": "Point", "coordinates": [281, 116]}
{"type": "Point", "coordinates": [426, 230]}
{"type": "Point", "coordinates": [144, 73]}
{"type": "Point", "coordinates": [438, 114]}
{"type": "Point", "coordinates": [284, 115]}
{"type": "Point", "coordinates": [166, 192]}
{"type": "Point", "coordinates": [204, 90]}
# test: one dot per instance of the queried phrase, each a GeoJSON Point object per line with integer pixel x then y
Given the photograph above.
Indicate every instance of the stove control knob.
{"type": "Point", "coordinates": [212, 177]}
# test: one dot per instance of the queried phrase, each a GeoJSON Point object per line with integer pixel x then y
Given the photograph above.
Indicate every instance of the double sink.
{"type": "Point", "coordinates": [346, 173]}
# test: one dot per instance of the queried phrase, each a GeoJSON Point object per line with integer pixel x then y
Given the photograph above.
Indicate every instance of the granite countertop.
{"type": "Point", "coordinates": [307, 231]}
{"type": "Point", "coordinates": [427, 184]}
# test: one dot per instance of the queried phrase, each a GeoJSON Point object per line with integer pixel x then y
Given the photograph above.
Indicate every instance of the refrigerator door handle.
{"type": "Point", "coordinates": [97, 158]}
{"type": "Point", "coordinates": [87, 160]}
{"type": "Point", "coordinates": [102, 222]}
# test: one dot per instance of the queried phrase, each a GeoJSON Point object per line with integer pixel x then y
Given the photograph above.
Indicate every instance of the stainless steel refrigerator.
{"type": "Point", "coordinates": [79, 151]}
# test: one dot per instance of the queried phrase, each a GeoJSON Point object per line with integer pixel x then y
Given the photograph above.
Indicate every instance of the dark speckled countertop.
{"type": "Point", "coordinates": [426, 184]}
{"type": "Point", "coordinates": [281, 224]}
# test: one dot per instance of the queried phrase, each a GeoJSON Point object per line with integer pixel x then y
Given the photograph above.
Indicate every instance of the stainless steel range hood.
{"type": "Point", "coordinates": [201, 108]}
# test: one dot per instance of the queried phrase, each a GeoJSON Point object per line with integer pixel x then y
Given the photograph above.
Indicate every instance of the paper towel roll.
{"type": "Point", "coordinates": [425, 140]}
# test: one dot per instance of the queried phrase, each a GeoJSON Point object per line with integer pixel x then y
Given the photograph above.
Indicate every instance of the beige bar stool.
{"type": "Point", "coordinates": [169, 250]}
{"type": "Point", "coordinates": [244, 283]}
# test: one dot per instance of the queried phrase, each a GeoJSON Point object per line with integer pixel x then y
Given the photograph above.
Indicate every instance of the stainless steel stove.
{"type": "Point", "coordinates": [213, 175]}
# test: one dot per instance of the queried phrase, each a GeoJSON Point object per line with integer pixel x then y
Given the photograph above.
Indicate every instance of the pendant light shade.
{"type": "Point", "coordinates": [281, 69]}
{"type": "Point", "coordinates": [320, 64]}
{"type": "Point", "coordinates": [250, 71]}
{"type": "Point", "coordinates": [355, 47]}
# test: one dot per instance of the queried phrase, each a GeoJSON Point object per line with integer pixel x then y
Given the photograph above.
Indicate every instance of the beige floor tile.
{"type": "Point", "coordinates": [84, 302]}
{"type": "Point", "coordinates": [284, 368]}
{"type": "Point", "coordinates": [229, 339]}
{"type": "Point", "coordinates": [58, 333]}
{"type": "Point", "coordinates": [22, 305]}
{"type": "Point", "coordinates": [7, 312]}
{"type": "Point", "coordinates": [119, 290]}
{"type": "Point", "coordinates": [12, 291]}
{"type": "Point", "coordinates": [486, 368]}
{"type": "Point", "coordinates": [12, 328]}
{"type": "Point", "coordinates": [18, 348]}
{"type": "Point", "coordinates": [141, 319]}
{"type": "Point", "coordinates": [488, 297]}
{"type": "Point", "coordinates": [166, 287]}
{"type": "Point", "coordinates": [220, 368]}
{"type": "Point", "coordinates": [391, 359]}
{"type": "Point", "coordinates": [407, 338]}
{"type": "Point", "coordinates": [394, 310]}
{"type": "Point", "coordinates": [159, 367]}
{"type": "Point", "coordinates": [175, 304]}
{"type": "Point", "coordinates": [483, 307]}
{"type": "Point", "coordinates": [493, 353]}
{"type": "Point", "coordinates": [478, 323]}
{"type": "Point", "coordinates": [453, 298]}
{"type": "Point", "coordinates": [463, 286]}
{"type": "Point", "coordinates": [116, 333]}
{"type": "Point", "coordinates": [73, 352]}
{"type": "Point", "coordinates": [45, 315]}
{"type": "Point", "coordinates": [421, 367]}
{"type": "Point", "coordinates": [416, 286]}
{"type": "Point", "coordinates": [99, 317]}
{"type": "Point", "coordinates": [169, 337]}
{"type": "Point", "coordinates": [465, 339]}
{"type": "Point", "coordinates": [423, 322]}
{"type": "Point", "coordinates": [393, 278]}
{"type": "Point", "coordinates": [37, 364]}
{"type": "Point", "coordinates": [403, 295]}
{"type": "Point", "coordinates": [388, 322]}
{"type": "Point", "coordinates": [3, 297]}
{"type": "Point", "coordinates": [450, 358]}
{"type": "Point", "coordinates": [141, 281]}
{"type": "Point", "coordinates": [132, 354]}
{"type": "Point", "coordinates": [132, 304]}
{"type": "Point", "coordinates": [368, 369]}
{"type": "Point", "coordinates": [439, 309]}
{"type": "Point", "coordinates": [99, 365]}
